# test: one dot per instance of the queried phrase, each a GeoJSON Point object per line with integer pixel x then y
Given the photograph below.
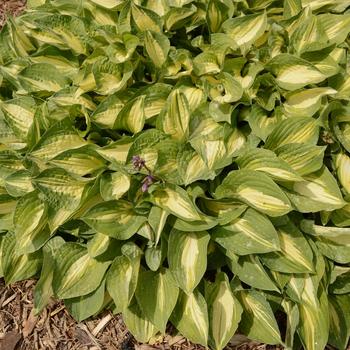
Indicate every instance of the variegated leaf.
{"type": "Point", "coordinates": [76, 273]}
{"type": "Point", "coordinates": [190, 317]}
{"type": "Point", "coordinates": [258, 321]}
{"type": "Point", "coordinates": [157, 296]}
{"type": "Point", "coordinates": [187, 257]}
{"type": "Point", "coordinates": [257, 190]}
{"type": "Point", "coordinates": [224, 312]}
{"type": "Point", "coordinates": [252, 233]}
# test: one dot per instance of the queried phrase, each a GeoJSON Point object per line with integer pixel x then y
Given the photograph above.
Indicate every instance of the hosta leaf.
{"type": "Point", "coordinates": [176, 118]}
{"type": "Point", "coordinates": [19, 183]}
{"type": "Point", "coordinates": [66, 30]}
{"type": "Point", "coordinates": [307, 33]}
{"type": "Point", "coordinates": [167, 167]}
{"type": "Point", "coordinates": [295, 255]}
{"type": "Point", "coordinates": [115, 218]}
{"type": "Point", "coordinates": [107, 111]}
{"type": "Point", "coordinates": [339, 320]}
{"type": "Point", "coordinates": [157, 46]}
{"type": "Point", "coordinates": [59, 138]}
{"type": "Point", "coordinates": [7, 203]}
{"type": "Point", "coordinates": [122, 279]}
{"type": "Point", "coordinates": [175, 200]}
{"type": "Point", "coordinates": [42, 77]}
{"type": "Point", "coordinates": [144, 143]}
{"type": "Point", "coordinates": [205, 223]}
{"type": "Point", "coordinates": [81, 161]}
{"type": "Point", "coordinates": [294, 130]}
{"type": "Point", "coordinates": [154, 256]}
{"type": "Point", "coordinates": [228, 89]}
{"type": "Point", "coordinates": [336, 235]}
{"type": "Point", "coordinates": [17, 267]}
{"type": "Point", "coordinates": [131, 117]}
{"type": "Point", "coordinates": [339, 280]}
{"type": "Point", "coordinates": [187, 257]}
{"type": "Point", "coordinates": [251, 233]}
{"type": "Point", "coordinates": [343, 87]}
{"type": "Point", "coordinates": [267, 162]}
{"type": "Point", "coordinates": [293, 73]}
{"type": "Point", "coordinates": [341, 217]}
{"type": "Point", "coordinates": [206, 63]}
{"type": "Point", "coordinates": [76, 273]}
{"type": "Point", "coordinates": [85, 306]}
{"type": "Point", "coordinates": [258, 321]}
{"type": "Point", "coordinates": [19, 115]}
{"type": "Point", "coordinates": [342, 164]}
{"type": "Point", "coordinates": [306, 102]}
{"type": "Point", "coordinates": [192, 167]}
{"type": "Point", "coordinates": [157, 219]}
{"type": "Point", "coordinates": [156, 97]}
{"type": "Point", "coordinates": [116, 151]}
{"type": "Point", "coordinates": [292, 311]}
{"type": "Point", "coordinates": [217, 13]}
{"type": "Point", "coordinates": [224, 210]}
{"type": "Point", "coordinates": [114, 185]}
{"type": "Point", "coordinates": [10, 162]}
{"type": "Point", "coordinates": [224, 312]}
{"type": "Point", "coordinates": [303, 158]}
{"type": "Point", "coordinates": [123, 49]}
{"type": "Point", "coordinates": [291, 8]}
{"type": "Point", "coordinates": [190, 317]}
{"type": "Point", "coordinates": [178, 17]}
{"type": "Point", "coordinates": [182, 161]}
{"type": "Point", "coordinates": [249, 270]}
{"type": "Point", "coordinates": [210, 145]}
{"type": "Point", "coordinates": [110, 77]}
{"type": "Point", "coordinates": [336, 252]}
{"type": "Point", "coordinates": [98, 244]}
{"type": "Point", "coordinates": [256, 189]}
{"type": "Point", "coordinates": [138, 324]}
{"type": "Point", "coordinates": [43, 289]}
{"type": "Point", "coordinates": [30, 219]}
{"type": "Point", "coordinates": [60, 189]}
{"type": "Point", "coordinates": [245, 30]}
{"type": "Point", "coordinates": [109, 4]}
{"type": "Point", "coordinates": [66, 62]}
{"type": "Point", "coordinates": [145, 19]}
{"type": "Point", "coordinates": [336, 27]}
{"type": "Point", "coordinates": [313, 309]}
{"type": "Point", "coordinates": [157, 295]}
{"type": "Point", "coordinates": [6, 223]}
{"type": "Point", "coordinates": [319, 191]}
{"type": "Point", "coordinates": [261, 123]}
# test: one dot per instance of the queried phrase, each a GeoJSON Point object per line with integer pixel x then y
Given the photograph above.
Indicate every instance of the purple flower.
{"type": "Point", "coordinates": [147, 182]}
{"type": "Point", "coordinates": [138, 162]}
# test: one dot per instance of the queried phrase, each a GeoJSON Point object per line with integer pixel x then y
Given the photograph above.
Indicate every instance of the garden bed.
{"type": "Point", "coordinates": [55, 329]}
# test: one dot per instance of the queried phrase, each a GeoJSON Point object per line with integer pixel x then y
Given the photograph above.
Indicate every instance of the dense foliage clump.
{"type": "Point", "coordinates": [181, 160]}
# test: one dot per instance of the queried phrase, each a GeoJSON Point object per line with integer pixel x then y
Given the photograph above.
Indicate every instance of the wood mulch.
{"type": "Point", "coordinates": [55, 329]}
{"type": "Point", "coordinates": [10, 7]}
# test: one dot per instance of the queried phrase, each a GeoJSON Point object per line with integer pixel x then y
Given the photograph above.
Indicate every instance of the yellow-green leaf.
{"type": "Point", "coordinates": [187, 257]}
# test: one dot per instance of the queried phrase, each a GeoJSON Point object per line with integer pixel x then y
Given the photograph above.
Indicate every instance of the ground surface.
{"type": "Point", "coordinates": [10, 7]}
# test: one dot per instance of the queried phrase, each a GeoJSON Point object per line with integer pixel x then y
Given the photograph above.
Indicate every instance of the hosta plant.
{"type": "Point", "coordinates": [182, 161]}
